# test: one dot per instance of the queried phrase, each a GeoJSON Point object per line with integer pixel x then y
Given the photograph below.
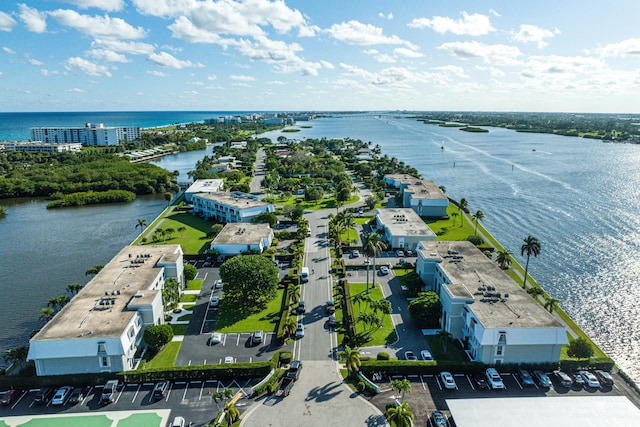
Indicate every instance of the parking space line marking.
{"type": "Point", "coordinates": [119, 394]}
{"type": "Point", "coordinates": [166, 399]}
{"type": "Point", "coordinates": [136, 393]}
{"type": "Point", "coordinates": [201, 390]}
{"type": "Point", "coordinates": [184, 395]}
{"type": "Point", "coordinates": [19, 399]}
{"type": "Point", "coordinates": [422, 382]}
{"type": "Point", "coordinates": [205, 276]}
{"type": "Point", "coordinates": [470, 383]}
{"type": "Point", "coordinates": [517, 382]}
{"type": "Point", "coordinates": [204, 362]}
{"type": "Point", "coordinates": [238, 340]}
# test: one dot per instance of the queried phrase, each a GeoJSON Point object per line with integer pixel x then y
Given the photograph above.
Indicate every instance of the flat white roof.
{"type": "Point", "coordinates": [565, 411]}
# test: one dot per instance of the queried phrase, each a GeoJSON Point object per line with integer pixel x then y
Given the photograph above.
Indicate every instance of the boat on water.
{"type": "Point", "coordinates": [442, 146]}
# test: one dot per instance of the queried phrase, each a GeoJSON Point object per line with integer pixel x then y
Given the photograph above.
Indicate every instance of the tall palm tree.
{"type": "Point", "coordinates": [348, 223]}
{"type": "Point", "coordinates": [46, 313]}
{"type": "Point", "coordinates": [231, 413]}
{"type": "Point", "coordinates": [142, 223]}
{"type": "Point", "coordinates": [478, 217]}
{"type": "Point", "coordinates": [74, 288]}
{"type": "Point", "coordinates": [217, 397]}
{"type": "Point", "coordinates": [463, 205]}
{"type": "Point", "coordinates": [550, 304]}
{"type": "Point", "coordinates": [372, 247]}
{"type": "Point", "coordinates": [504, 258]}
{"type": "Point", "coordinates": [530, 247]}
{"type": "Point", "coordinates": [295, 295]}
{"type": "Point", "coordinates": [445, 338]}
{"type": "Point", "coordinates": [181, 230]}
{"type": "Point", "coordinates": [290, 326]}
{"type": "Point", "coordinates": [400, 415]}
{"type": "Point", "coordinates": [455, 215]}
{"type": "Point", "coordinates": [351, 358]}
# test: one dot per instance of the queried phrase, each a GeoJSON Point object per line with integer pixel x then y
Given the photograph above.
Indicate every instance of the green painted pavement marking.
{"type": "Point", "coordinates": [141, 420]}
{"type": "Point", "coordinates": [85, 421]}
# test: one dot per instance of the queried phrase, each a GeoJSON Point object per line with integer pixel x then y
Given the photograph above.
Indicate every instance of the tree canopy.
{"type": "Point", "coordinates": [250, 280]}
{"type": "Point", "coordinates": [580, 349]}
{"type": "Point", "coordinates": [426, 309]}
{"type": "Point", "coordinates": [158, 336]}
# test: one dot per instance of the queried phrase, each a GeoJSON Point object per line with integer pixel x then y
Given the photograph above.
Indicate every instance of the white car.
{"type": "Point", "coordinates": [408, 355]}
{"type": "Point", "coordinates": [426, 355]}
{"type": "Point", "coordinates": [300, 330]}
{"type": "Point", "coordinates": [590, 379]}
{"type": "Point", "coordinates": [494, 379]}
{"type": "Point", "coordinates": [229, 359]}
{"type": "Point", "coordinates": [61, 395]}
{"type": "Point", "coordinates": [218, 284]}
{"type": "Point", "coordinates": [178, 422]}
{"type": "Point", "coordinates": [383, 271]}
{"type": "Point", "coordinates": [216, 338]}
{"type": "Point", "coordinates": [447, 380]}
{"type": "Point", "coordinates": [215, 301]}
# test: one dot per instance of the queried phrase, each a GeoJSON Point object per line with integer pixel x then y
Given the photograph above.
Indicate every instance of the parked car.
{"type": "Point", "coordinates": [399, 253]}
{"type": "Point", "coordinates": [333, 322]}
{"type": "Point", "coordinates": [331, 307]}
{"type": "Point", "coordinates": [605, 378]}
{"type": "Point", "coordinates": [109, 392]}
{"type": "Point", "coordinates": [494, 379]}
{"type": "Point", "coordinates": [10, 396]}
{"type": "Point", "coordinates": [160, 390]}
{"type": "Point", "coordinates": [590, 379]}
{"type": "Point", "coordinates": [43, 396]}
{"type": "Point", "coordinates": [294, 369]}
{"type": "Point", "coordinates": [229, 359]}
{"type": "Point", "coordinates": [214, 301]}
{"type": "Point", "coordinates": [383, 271]}
{"type": "Point", "coordinates": [76, 396]}
{"type": "Point", "coordinates": [426, 355]}
{"type": "Point", "coordinates": [542, 379]}
{"type": "Point", "coordinates": [218, 284]}
{"type": "Point", "coordinates": [480, 381]}
{"type": "Point", "coordinates": [525, 378]}
{"type": "Point", "coordinates": [409, 253]}
{"type": "Point", "coordinates": [354, 253]}
{"type": "Point", "coordinates": [256, 337]}
{"type": "Point", "coordinates": [408, 355]}
{"type": "Point", "coordinates": [216, 338]}
{"type": "Point", "coordinates": [300, 330]}
{"type": "Point", "coordinates": [301, 307]}
{"type": "Point", "coordinates": [60, 398]}
{"type": "Point", "coordinates": [178, 422]}
{"type": "Point", "coordinates": [438, 419]}
{"type": "Point", "coordinates": [447, 380]}
{"type": "Point", "coordinates": [578, 380]}
{"type": "Point", "coordinates": [563, 379]}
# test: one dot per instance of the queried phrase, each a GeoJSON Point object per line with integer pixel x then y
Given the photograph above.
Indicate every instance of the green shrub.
{"type": "Point", "coordinates": [383, 355]}
{"type": "Point", "coordinates": [361, 386]}
{"type": "Point", "coordinates": [158, 335]}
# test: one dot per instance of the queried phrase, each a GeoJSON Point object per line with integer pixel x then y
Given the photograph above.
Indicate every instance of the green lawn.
{"type": "Point", "coordinates": [185, 317]}
{"type": "Point", "coordinates": [384, 335]}
{"type": "Point", "coordinates": [179, 329]}
{"type": "Point", "coordinates": [194, 285]}
{"type": "Point", "coordinates": [350, 236]}
{"type": "Point", "coordinates": [189, 298]}
{"type": "Point", "coordinates": [194, 239]}
{"type": "Point", "coordinates": [233, 318]}
{"type": "Point", "coordinates": [327, 202]}
{"type": "Point", "coordinates": [454, 228]}
{"type": "Point", "coordinates": [453, 352]}
{"type": "Point", "coordinates": [166, 358]}
{"type": "Point", "coordinates": [188, 306]}
{"type": "Point", "coordinates": [362, 220]}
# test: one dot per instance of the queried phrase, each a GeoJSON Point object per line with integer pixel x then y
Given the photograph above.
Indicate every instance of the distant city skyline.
{"type": "Point", "coordinates": [252, 55]}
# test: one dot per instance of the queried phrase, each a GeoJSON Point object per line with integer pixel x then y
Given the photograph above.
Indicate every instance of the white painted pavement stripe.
{"type": "Point", "coordinates": [136, 393]}
{"type": "Point", "coordinates": [184, 395]}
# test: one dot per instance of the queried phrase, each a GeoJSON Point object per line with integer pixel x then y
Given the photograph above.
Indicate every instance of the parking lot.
{"type": "Point", "coordinates": [428, 393]}
{"type": "Point", "coordinates": [191, 400]}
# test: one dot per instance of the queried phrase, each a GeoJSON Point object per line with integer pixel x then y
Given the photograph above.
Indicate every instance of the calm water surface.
{"type": "Point", "coordinates": [579, 197]}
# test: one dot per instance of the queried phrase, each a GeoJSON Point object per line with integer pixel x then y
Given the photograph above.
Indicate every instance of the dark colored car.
{"type": "Point", "coordinates": [605, 378]}
{"type": "Point", "coordinates": [160, 390]}
{"type": "Point", "coordinates": [109, 392]}
{"type": "Point", "coordinates": [44, 395]}
{"type": "Point", "coordinates": [480, 382]}
{"type": "Point", "coordinates": [76, 396]}
{"type": "Point", "coordinates": [10, 396]}
{"type": "Point", "coordinates": [333, 322]}
{"type": "Point", "coordinates": [294, 369]}
{"type": "Point", "coordinates": [564, 379]}
{"type": "Point", "coordinates": [331, 307]}
{"type": "Point", "coordinates": [301, 307]}
{"type": "Point", "coordinates": [525, 378]}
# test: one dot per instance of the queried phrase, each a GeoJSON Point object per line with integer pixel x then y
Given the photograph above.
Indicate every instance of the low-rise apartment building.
{"type": "Point", "coordinates": [237, 238]}
{"type": "Point", "coordinates": [403, 228]}
{"type": "Point", "coordinates": [229, 207]}
{"type": "Point", "coordinates": [421, 195]}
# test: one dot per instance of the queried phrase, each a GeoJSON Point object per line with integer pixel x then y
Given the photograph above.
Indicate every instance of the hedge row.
{"type": "Point", "coordinates": [603, 363]}
{"type": "Point", "coordinates": [347, 313]}
{"type": "Point", "coordinates": [284, 311]}
{"type": "Point", "coordinates": [208, 372]}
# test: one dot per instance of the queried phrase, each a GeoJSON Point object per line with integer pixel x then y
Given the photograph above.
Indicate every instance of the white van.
{"type": "Point", "coordinates": [304, 276]}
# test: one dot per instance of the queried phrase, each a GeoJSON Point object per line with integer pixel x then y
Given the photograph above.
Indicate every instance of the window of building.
{"type": "Point", "coordinates": [102, 348]}
{"type": "Point", "coordinates": [500, 350]}
{"type": "Point", "coordinates": [502, 338]}
{"type": "Point", "coordinates": [105, 362]}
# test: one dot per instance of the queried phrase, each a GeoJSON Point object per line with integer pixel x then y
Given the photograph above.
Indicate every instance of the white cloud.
{"type": "Point", "coordinates": [497, 54]}
{"type": "Point", "coordinates": [277, 83]}
{"type": "Point", "coordinates": [35, 62]}
{"type": "Point", "coordinates": [167, 60]}
{"type": "Point", "coordinates": [534, 34]}
{"type": "Point", "coordinates": [8, 50]}
{"type": "Point", "coordinates": [621, 49]}
{"type": "Point", "coordinates": [157, 73]}
{"type": "Point", "coordinates": [453, 70]}
{"type": "Point", "coordinates": [34, 20]}
{"type": "Point", "coordinates": [407, 53]}
{"type": "Point", "coordinates": [384, 57]}
{"type": "Point", "coordinates": [354, 32]}
{"type": "Point", "coordinates": [469, 25]}
{"type": "Point", "coordinates": [106, 55]}
{"type": "Point", "coordinates": [241, 85]}
{"type": "Point", "coordinates": [387, 16]}
{"type": "Point", "coordinates": [75, 90]}
{"type": "Point", "coordinates": [243, 78]}
{"type": "Point", "coordinates": [326, 64]}
{"type": "Point", "coordinates": [108, 5]}
{"type": "Point", "coordinates": [184, 29]}
{"type": "Point", "coordinates": [99, 27]}
{"type": "Point", "coordinates": [132, 48]}
{"type": "Point", "coordinates": [7, 23]}
{"type": "Point", "coordinates": [86, 67]}
{"type": "Point", "coordinates": [212, 77]}
{"type": "Point", "coordinates": [494, 13]}
{"type": "Point", "coordinates": [47, 73]}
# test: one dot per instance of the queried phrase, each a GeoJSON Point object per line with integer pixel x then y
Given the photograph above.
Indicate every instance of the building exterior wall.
{"type": "Point", "coordinates": [222, 212]}
{"type": "Point", "coordinates": [91, 134]}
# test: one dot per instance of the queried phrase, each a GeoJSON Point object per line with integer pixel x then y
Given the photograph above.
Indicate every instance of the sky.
{"type": "Point", "coordinates": [312, 55]}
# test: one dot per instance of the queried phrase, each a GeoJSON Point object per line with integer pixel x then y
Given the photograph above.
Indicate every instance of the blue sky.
{"type": "Point", "coordinates": [128, 55]}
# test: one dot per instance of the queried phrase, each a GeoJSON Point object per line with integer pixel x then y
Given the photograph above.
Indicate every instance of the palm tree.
{"type": "Point", "coordinates": [348, 222]}
{"type": "Point", "coordinates": [351, 359]}
{"type": "Point", "coordinates": [74, 288]}
{"type": "Point", "coordinates": [455, 215]}
{"type": "Point", "coordinates": [93, 270]}
{"type": "Point", "coordinates": [46, 313]}
{"type": "Point", "coordinates": [295, 294]}
{"type": "Point", "coordinates": [142, 223]}
{"type": "Point", "coordinates": [360, 298]}
{"type": "Point", "coordinates": [445, 337]}
{"type": "Point", "coordinates": [16, 355]}
{"type": "Point", "coordinates": [550, 304]}
{"type": "Point", "coordinates": [504, 258]}
{"type": "Point", "coordinates": [231, 413]}
{"type": "Point", "coordinates": [463, 205]}
{"type": "Point", "coordinates": [530, 247]}
{"type": "Point", "coordinates": [401, 387]}
{"type": "Point", "coordinates": [181, 230]}
{"type": "Point", "coordinates": [535, 291]}
{"type": "Point", "coordinates": [372, 247]}
{"type": "Point", "coordinates": [400, 415]}
{"type": "Point", "coordinates": [217, 397]}
{"type": "Point", "coordinates": [290, 326]}
{"type": "Point", "coordinates": [478, 217]}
